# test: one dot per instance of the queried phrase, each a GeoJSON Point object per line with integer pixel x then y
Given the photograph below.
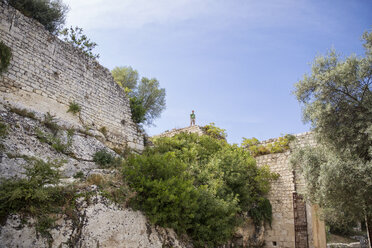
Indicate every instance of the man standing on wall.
{"type": "Point", "coordinates": [192, 119]}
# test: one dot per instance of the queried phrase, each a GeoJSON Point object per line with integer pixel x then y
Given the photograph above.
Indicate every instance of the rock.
{"type": "Point", "coordinates": [100, 224]}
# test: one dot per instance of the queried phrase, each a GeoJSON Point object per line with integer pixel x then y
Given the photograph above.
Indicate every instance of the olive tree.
{"type": "Point", "coordinates": [147, 99]}
{"type": "Point", "coordinates": [337, 101]}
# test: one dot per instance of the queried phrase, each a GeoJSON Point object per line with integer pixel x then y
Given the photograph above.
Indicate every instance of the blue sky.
{"type": "Point", "coordinates": [232, 61]}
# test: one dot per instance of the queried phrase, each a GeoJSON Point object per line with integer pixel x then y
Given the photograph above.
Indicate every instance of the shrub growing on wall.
{"type": "Point", "coordinates": [50, 13]}
{"type": "Point", "coordinates": [5, 56]}
{"type": "Point", "coordinates": [199, 185]}
{"type": "Point", "coordinates": [75, 37]}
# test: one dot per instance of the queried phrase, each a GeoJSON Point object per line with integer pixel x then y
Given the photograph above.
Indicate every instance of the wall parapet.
{"type": "Point", "coordinates": [45, 68]}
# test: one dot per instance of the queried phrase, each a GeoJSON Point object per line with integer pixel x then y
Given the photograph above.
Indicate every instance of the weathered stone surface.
{"type": "Point", "coordinates": [101, 224]}
{"type": "Point", "coordinates": [47, 74]}
{"type": "Point", "coordinates": [282, 232]}
{"type": "Point", "coordinates": [22, 141]}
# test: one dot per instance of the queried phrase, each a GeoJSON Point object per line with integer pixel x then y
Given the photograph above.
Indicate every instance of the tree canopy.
{"type": "Point", "coordinates": [337, 101]}
{"type": "Point", "coordinates": [147, 99]}
{"type": "Point", "coordinates": [199, 185]}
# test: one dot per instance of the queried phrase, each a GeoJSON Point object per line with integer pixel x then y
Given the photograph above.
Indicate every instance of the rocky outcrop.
{"type": "Point", "coordinates": [97, 221]}
{"type": "Point", "coordinates": [100, 223]}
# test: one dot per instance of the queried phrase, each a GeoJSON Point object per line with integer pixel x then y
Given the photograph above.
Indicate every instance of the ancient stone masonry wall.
{"type": "Point", "coordinates": [295, 223]}
{"type": "Point", "coordinates": [52, 73]}
{"type": "Point", "coordinates": [192, 129]}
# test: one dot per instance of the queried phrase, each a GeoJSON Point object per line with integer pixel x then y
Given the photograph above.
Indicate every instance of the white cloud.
{"type": "Point", "coordinates": [131, 13]}
{"type": "Point", "coordinates": [137, 13]}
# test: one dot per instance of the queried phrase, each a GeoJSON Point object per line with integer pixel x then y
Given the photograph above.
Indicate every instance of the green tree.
{"type": "Point", "coordinates": [75, 37]}
{"type": "Point", "coordinates": [126, 77]}
{"type": "Point", "coordinates": [146, 98]}
{"type": "Point", "coordinates": [337, 101]}
{"type": "Point", "coordinates": [50, 13]}
{"type": "Point", "coordinates": [199, 185]}
{"type": "Point", "coordinates": [153, 98]}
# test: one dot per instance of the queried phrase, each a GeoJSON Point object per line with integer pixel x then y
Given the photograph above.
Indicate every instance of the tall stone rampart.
{"type": "Point", "coordinates": [295, 222]}
{"type": "Point", "coordinates": [46, 74]}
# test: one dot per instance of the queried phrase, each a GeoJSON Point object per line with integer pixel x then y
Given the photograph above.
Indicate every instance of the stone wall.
{"type": "Point", "coordinates": [192, 129]}
{"type": "Point", "coordinates": [46, 74]}
{"type": "Point", "coordinates": [290, 214]}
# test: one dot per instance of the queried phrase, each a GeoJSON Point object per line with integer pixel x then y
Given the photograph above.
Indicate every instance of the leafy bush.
{"type": "Point", "coordinates": [75, 37]}
{"type": "Point", "coordinates": [50, 13]}
{"type": "Point", "coordinates": [36, 195]}
{"type": "Point", "coordinates": [137, 109]}
{"type": "Point", "coordinates": [278, 146]}
{"type": "Point", "coordinates": [5, 56]}
{"type": "Point", "coordinates": [74, 108]}
{"type": "Point", "coordinates": [198, 185]}
{"type": "Point", "coordinates": [215, 132]}
{"type": "Point", "coordinates": [106, 159]}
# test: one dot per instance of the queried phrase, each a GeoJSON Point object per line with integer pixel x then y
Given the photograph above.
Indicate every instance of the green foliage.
{"type": "Point", "coordinates": [198, 185]}
{"type": "Point", "coordinates": [215, 132]}
{"type": "Point", "coordinates": [278, 146]}
{"type": "Point", "coordinates": [23, 112]}
{"type": "Point", "coordinates": [137, 109]}
{"type": "Point", "coordinates": [79, 174]}
{"type": "Point", "coordinates": [55, 141]}
{"type": "Point", "coordinates": [250, 142]}
{"type": "Point", "coordinates": [153, 98]}
{"type": "Point", "coordinates": [126, 77]}
{"type": "Point", "coordinates": [75, 37]}
{"type": "Point", "coordinates": [36, 195]}
{"type": "Point", "coordinates": [5, 56]}
{"type": "Point", "coordinates": [106, 159]}
{"type": "Point", "coordinates": [261, 211]}
{"type": "Point", "coordinates": [147, 99]}
{"type": "Point", "coordinates": [164, 191]}
{"type": "Point", "coordinates": [51, 123]}
{"type": "Point", "coordinates": [74, 108]}
{"type": "Point", "coordinates": [337, 101]}
{"type": "Point", "coordinates": [339, 183]}
{"type": "Point", "coordinates": [3, 129]}
{"type": "Point", "coordinates": [50, 13]}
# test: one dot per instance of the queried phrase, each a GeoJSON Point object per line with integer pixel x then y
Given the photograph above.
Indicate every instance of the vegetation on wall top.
{"type": "Point", "coordinates": [279, 145]}
{"type": "Point", "coordinates": [215, 132]}
{"type": "Point", "coordinates": [50, 13]}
